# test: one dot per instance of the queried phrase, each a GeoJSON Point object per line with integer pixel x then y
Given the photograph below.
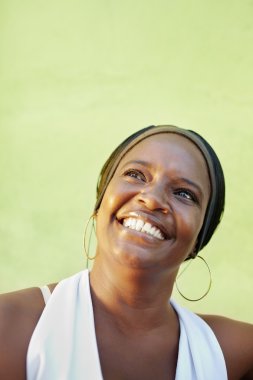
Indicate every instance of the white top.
{"type": "Point", "coordinates": [64, 347]}
{"type": "Point", "coordinates": [45, 293]}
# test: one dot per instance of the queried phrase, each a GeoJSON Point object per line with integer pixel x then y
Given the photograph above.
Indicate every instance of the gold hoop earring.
{"type": "Point", "coordinates": [87, 248]}
{"type": "Point", "coordinates": [209, 285]}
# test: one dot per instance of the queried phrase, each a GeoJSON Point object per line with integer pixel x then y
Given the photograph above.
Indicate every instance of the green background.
{"type": "Point", "coordinates": [79, 76]}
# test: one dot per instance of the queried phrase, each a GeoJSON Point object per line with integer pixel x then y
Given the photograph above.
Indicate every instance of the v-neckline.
{"type": "Point", "coordinates": [94, 336]}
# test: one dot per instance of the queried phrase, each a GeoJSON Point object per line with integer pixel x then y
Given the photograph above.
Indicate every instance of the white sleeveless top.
{"type": "Point", "coordinates": [64, 347]}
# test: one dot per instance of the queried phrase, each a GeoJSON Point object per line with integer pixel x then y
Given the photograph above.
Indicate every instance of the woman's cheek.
{"type": "Point", "coordinates": [190, 226]}
{"type": "Point", "coordinates": [117, 194]}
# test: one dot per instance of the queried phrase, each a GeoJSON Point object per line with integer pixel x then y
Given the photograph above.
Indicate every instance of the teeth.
{"type": "Point", "coordinates": [139, 225]}
{"type": "Point", "coordinates": [133, 224]}
{"type": "Point", "coordinates": [147, 228]}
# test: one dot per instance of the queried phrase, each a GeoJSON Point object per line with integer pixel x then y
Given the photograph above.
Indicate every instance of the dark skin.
{"type": "Point", "coordinates": [19, 314]}
{"type": "Point", "coordinates": [137, 329]}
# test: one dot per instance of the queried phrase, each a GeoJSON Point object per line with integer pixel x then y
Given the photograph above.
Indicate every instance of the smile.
{"type": "Point", "coordinates": [139, 225]}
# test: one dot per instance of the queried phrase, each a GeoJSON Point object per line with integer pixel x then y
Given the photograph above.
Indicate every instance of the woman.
{"type": "Point", "coordinates": [160, 197]}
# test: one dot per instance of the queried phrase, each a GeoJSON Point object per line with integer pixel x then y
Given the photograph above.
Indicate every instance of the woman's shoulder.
{"type": "Point", "coordinates": [236, 341]}
{"type": "Point", "coordinates": [19, 314]}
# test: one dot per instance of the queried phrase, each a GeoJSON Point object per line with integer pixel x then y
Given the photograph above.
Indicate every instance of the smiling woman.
{"type": "Point", "coordinates": [160, 197]}
{"type": "Point", "coordinates": [165, 192]}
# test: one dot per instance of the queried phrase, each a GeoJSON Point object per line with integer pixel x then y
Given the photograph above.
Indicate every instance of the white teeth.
{"type": "Point", "coordinates": [140, 225]}
{"type": "Point", "coordinates": [132, 225]}
{"type": "Point", "coordinates": [147, 228]}
{"type": "Point", "coordinates": [127, 222]}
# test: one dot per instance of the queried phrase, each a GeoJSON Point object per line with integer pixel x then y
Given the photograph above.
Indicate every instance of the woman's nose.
{"type": "Point", "coordinates": [154, 198]}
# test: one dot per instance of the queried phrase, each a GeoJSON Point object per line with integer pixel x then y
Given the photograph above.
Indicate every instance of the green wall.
{"type": "Point", "coordinates": [77, 77]}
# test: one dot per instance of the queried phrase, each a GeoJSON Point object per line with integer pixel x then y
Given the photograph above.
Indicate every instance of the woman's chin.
{"type": "Point", "coordinates": [137, 258]}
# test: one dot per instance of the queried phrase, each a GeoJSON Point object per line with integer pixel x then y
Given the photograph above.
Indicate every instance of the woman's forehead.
{"type": "Point", "coordinates": [166, 146]}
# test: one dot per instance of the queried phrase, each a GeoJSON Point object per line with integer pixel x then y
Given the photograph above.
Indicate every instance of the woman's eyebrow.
{"type": "Point", "coordinates": [139, 162]}
{"type": "Point", "coordinates": [191, 183]}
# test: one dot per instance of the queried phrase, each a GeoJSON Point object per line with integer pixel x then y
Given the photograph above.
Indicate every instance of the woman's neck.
{"type": "Point", "coordinates": [134, 299]}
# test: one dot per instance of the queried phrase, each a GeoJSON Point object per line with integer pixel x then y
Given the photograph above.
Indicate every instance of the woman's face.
{"type": "Point", "coordinates": [155, 204]}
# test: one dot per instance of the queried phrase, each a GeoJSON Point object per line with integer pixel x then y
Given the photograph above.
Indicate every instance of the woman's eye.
{"type": "Point", "coordinates": [134, 173]}
{"type": "Point", "coordinates": [187, 194]}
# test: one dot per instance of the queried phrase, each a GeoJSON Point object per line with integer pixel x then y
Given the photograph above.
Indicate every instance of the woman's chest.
{"type": "Point", "coordinates": [149, 358]}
